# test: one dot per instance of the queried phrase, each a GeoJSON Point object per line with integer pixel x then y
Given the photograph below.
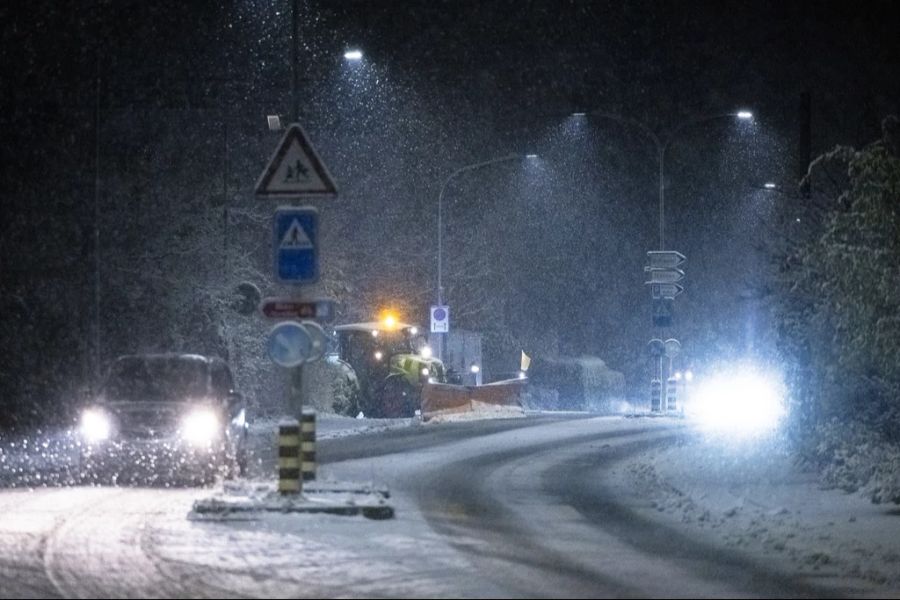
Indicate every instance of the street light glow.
{"type": "Point", "coordinates": [353, 54]}
{"type": "Point", "coordinates": [769, 186]}
{"type": "Point", "coordinates": [579, 114]}
{"type": "Point", "coordinates": [531, 156]}
{"type": "Point", "coordinates": [745, 114]}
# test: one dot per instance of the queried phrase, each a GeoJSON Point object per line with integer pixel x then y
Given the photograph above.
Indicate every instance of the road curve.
{"type": "Point", "coordinates": [488, 509]}
{"type": "Point", "coordinates": [539, 519]}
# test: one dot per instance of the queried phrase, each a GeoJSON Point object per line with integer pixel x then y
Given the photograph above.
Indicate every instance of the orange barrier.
{"type": "Point", "coordinates": [440, 399]}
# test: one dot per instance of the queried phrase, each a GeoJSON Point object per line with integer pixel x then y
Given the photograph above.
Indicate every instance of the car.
{"type": "Point", "coordinates": [165, 418]}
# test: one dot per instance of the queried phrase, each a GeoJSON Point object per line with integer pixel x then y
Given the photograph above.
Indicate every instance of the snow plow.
{"type": "Point", "coordinates": [501, 398]}
{"type": "Point", "coordinates": [396, 375]}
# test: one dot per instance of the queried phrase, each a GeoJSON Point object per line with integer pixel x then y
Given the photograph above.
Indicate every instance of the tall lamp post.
{"type": "Point", "coordinates": [440, 222]}
{"type": "Point", "coordinates": [662, 144]}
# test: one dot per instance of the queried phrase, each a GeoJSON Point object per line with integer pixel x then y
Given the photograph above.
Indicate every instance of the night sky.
{"type": "Point", "coordinates": [154, 115]}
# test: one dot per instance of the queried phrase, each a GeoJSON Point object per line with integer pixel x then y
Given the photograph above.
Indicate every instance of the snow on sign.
{"type": "Point", "coordinates": [665, 259]}
{"type": "Point", "coordinates": [295, 248]}
{"type": "Point", "coordinates": [658, 275]}
{"type": "Point", "coordinates": [295, 170]}
{"type": "Point", "coordinates": [440, 319]}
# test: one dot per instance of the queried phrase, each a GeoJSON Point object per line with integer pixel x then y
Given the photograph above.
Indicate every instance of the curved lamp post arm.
{"type": "Point", "coordinates": [472, 167]}
{"type": "Point", "coordinates": [662, 144]}
{"type": "Point", "coordinates": [632, 123]}
{"type": "Point", "coordinates": [672, 135]}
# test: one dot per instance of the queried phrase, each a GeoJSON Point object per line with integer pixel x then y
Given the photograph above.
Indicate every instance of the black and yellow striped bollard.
{"type": "Point", "coordinates": [308, 445]}
{"type": "Point", "coordinates": [289, 481]}
{"type": "Point", "coordinates": [671, 394]}
{"type": "Point", "coordinates": [655, 395]}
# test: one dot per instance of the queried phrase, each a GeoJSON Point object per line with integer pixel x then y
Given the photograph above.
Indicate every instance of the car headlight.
{"type": "Point", "coordinates": [742, 402]}
{"type": "Point", "coordinates": [95, 425]}
{"type": "Point", "coordinates": [201, 427]}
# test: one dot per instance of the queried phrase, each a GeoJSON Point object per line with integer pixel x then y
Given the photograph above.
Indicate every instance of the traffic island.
{"type": "Point", "coordinates": [246, 501]}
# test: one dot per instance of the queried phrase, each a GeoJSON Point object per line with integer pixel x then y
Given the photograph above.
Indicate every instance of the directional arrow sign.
{"type": "Point", "coordinates": [665, 290]}
{"type": "Point", "coordinates": [665, 259]}
{"type": "Point", "coordinates": [664, 275]}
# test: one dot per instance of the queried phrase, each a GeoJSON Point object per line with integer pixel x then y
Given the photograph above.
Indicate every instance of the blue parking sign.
{"type": "Point", "coordinates": [295, 242]}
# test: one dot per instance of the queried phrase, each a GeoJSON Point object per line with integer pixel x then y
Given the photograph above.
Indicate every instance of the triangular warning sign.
{"type": "Point", "coordinates": [295, 238]}
{"type": "Point", "coordinates": [295, 169]}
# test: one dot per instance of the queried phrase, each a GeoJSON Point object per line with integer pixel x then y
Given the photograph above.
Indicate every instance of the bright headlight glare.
{"type": "Point", "coordinates": [742, 403]}
{"type": "Point", "coordinates": [200, 427]}
{"type": "Point", "coordinates": [95, 425]}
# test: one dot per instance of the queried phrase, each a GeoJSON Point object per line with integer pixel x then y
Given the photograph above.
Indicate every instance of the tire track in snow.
{"type": "Point", "coordinates": [461, 503]}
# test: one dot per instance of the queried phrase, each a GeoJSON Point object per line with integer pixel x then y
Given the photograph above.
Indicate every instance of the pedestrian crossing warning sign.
{"type": "Point", "coordinates": [296, 238]}
{"type": "Point", "coordinates": [295, 244]}
{"type": "Point", "coordinates": [295, 170]}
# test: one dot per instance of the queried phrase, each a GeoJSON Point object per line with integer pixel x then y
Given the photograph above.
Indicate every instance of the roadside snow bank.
{"type": "Point", "coordinates": [854, 457]}
{"type": "Point", "coordinates": [753, 498]}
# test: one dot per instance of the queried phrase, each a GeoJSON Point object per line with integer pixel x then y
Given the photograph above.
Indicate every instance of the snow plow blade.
{"type": "Point", "coordinates": [502, 398]}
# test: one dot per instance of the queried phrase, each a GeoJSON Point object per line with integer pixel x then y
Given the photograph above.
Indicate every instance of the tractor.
{"type": "Point", "coordinates": [392, 362]}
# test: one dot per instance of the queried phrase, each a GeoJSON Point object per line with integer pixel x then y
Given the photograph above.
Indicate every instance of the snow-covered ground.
{"type": "Point", "coordinates": [751, 497]}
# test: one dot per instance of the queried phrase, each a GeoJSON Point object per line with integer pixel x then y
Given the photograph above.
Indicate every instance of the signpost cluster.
{"type": "Point", "coordinates": [295, 173]}
{"type": "Point", "coordinates": [664, 272]}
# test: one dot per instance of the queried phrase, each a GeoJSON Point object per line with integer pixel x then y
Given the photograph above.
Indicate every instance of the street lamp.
{"type": "Point", "coordinates": [662, 144]}
{"type": "Point", "coordinates": [440, 226]}
{"type": "Point", "coordinates": [353, 55]}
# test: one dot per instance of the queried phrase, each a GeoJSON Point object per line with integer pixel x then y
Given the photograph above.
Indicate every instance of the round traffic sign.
{"type": "Point", "coordinates": [440, 314]}
{"type": "Point", "coordinates": [673, 347]}
{"type": "Point", "coordinates": [319, 340]}
{"type": "Point", "coordinates": [289, 344]}
{"type": "Point", "coordinates": [656, 347]}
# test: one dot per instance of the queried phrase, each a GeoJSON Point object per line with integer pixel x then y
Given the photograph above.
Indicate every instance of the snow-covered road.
{"type": "Point", "coordinates": [537, 507]}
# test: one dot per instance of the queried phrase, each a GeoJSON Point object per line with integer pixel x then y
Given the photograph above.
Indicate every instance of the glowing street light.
{"type": "Point", "coordinates": [745, 114]}
{"type": "Point", "coordinates": [769, 185]}
{"type": "Point", "coordinates": [353, 55]}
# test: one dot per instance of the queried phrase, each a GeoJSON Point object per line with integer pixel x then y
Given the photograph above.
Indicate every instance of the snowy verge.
{"type": "Point", "coordinates": [329, 426]}
{"type": "Point", "coordinates": [751, 497]}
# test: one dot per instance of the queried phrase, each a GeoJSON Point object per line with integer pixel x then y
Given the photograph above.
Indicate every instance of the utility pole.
{"type": "Point", "coordinates": [97, 354]}
{"type": "Point", "coordinates": [295, 62]}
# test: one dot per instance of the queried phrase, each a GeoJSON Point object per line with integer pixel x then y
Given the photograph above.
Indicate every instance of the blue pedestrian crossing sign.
{"type": "Point", "coordinates": [296, 249]}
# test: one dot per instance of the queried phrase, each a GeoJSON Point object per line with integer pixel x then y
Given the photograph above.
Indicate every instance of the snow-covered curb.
{"type": "Point", "coordinates": [244, 499]}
